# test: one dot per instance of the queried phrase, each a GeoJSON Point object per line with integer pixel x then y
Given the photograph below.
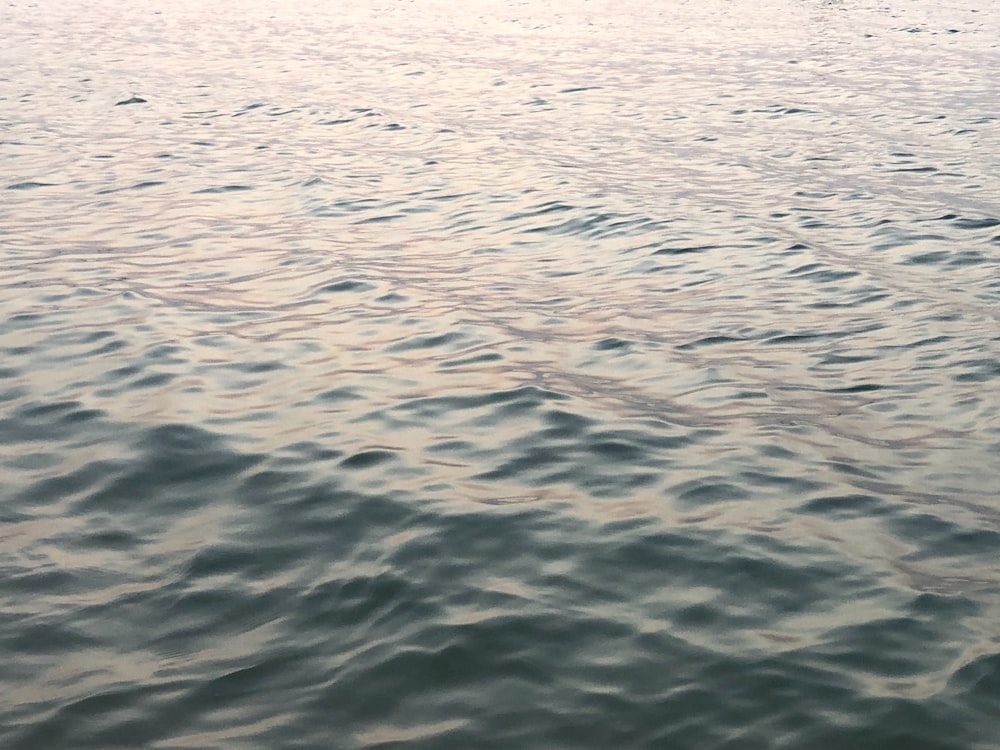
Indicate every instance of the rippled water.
{"type": "Point", "coordinates": [500, 375]}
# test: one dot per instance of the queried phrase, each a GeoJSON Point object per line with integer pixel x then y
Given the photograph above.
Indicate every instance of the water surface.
{"type": "Point", "coordinates": [516, 375]}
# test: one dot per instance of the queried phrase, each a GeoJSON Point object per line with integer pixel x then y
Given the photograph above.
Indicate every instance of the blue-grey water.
{"type": "Point", "coordinates": [528, 375]}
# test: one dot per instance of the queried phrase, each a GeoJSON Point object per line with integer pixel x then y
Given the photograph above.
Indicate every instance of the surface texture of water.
{"type": "Point", "coordinates": [500, 375]}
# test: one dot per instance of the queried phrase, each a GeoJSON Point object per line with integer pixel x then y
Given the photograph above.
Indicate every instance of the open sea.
{"type": "Point", "coordinates": [500, 375]}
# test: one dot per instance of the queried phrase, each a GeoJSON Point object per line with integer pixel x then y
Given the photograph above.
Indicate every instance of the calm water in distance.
{"type": "Point", "coordinates": [568, 374]}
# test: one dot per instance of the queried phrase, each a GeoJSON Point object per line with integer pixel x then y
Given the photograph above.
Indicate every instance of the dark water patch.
{"type": "Point", "coordinates": [858, 388]}
{"type": "Point", "coordinates": [451, 446]}
{"type": "Point", "coordinates": [972, 224]}
{"type": "Point", "coordinates": [526, 397]}
{"type": "Point", "coordinates": [709, 341]}
{"type": "Point", "coordinates": [852, 469]}
{"type": "Point", "coordinates": [174, 470]}
{"type": "Point", "coordinates": [223, 189]}
{"type": "Point", "coordinates": [43, 582]}
{"type": "Point", "coordinates": [110, 539]}
{"type": "Point", "coordinates": [597, 225]}
{"type": "Point", "coordinates": [933, 257]}
{"type": "Point", "coordinates": [540, 210]}
{"type": "Point", "coordinates": [50, 638]}
{"type": "Point", "coordinates": [798, 338]}
{"type": "Point", "coordinates": [245, 562]}
{"type": "Point", "coordinates": [30, 185]}
{"type": "Point", "coordinates": [73, 484]}
{"type": "Point", "coordinates": [838, 358]}
{"type": "Point", "coordinates": [846, 506]}
{"type": "Point", "coordinates": [612, 344]}
{"type": "Point", "coordinates": [251, 368]}
{"type": "Point", "coordinates": [566, 449]}
{"type": "Point", "coordinates": [932, 532]}
{"type": "Point", "coordinates": [33, 422]}
{"type": "Point", "coordinates": [798, 484]}
{"type": "Point", "coordinates": [978, 681]}
{"type": "Point", "coordinates": [348, 285]}
{"type": "Point", "coordinates": [130, 376]}
{"type": "Point", "coordinates": [977, 371]}
{"type": "Point", "coordinates": [694, 493]}
{"type": "Point", "coordinates": [527, 465]}
{"type": "Point", "coordinates": [472, 360]}
{"type": "Point", "coordinates": [250, 108]}
{"type": "Point", "coordinates": [566, 424]}
{"type": "Point", "coordinates": [367, 459]}
{"type": "Point", "coordinates": [818, 273]}
{"type": "Point", "coordinates": [964, 258]}
{"type": "Point", "coordinates": [109, 719]}
{"type": "Point", "coordinates": [860, 301]}
{"type": "Point", "coordinates": [684, 250]}
{"type": "Point", "coordinates": [191, 611]}
{"type": "Point", "coordinates": [893, 648]}
{"type": "Point", "coordinates": [427, 342]}
{"type": "Point", "coordinates": [383, 219]}
{"type": "Point", "coordinates": [343, 393]}
{"type": "Point", "coordinates": [137, 186]}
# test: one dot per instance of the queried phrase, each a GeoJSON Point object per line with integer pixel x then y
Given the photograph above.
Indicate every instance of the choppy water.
{"type": "Point", "coordinates": [500, 375]}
